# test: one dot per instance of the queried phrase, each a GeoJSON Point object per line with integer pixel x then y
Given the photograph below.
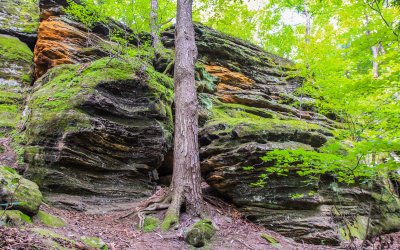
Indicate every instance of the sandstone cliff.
{"type": "Point", "coordinates": [90, 126]}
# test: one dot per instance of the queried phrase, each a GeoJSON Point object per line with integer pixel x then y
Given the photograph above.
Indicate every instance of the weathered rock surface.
{"type": "Point", "coordinates": [16, 66]}
{"type": "Point", "coordinates": [98, 129]}
{"type": "Point", "coordinates": [20, 19]}
{"type": "Point", "coordinates": [62, 40]}
{"type": "Point", "coordinates": [23, 192]}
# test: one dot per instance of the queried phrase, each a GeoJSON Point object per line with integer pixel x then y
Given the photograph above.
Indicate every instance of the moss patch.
{"type": "Point", "coordinates": [150, 224]}
{"type": "Point", "coordinates": [169, 221]}
{"type": "Point", "coordinates": [254, 119]}
{"type": "Point", "coordinates": [16, 218]}
{"type": "Point", "coordinates": [22, 16]}
{"type": "Point", "coordinates": [58, 94]}
{"type": "Point", "coordinates": [13, 49]}
{"type": "Point", "coordinates": [50, 220]}
{"type": "Point", "coordinates": [48, 233]}
{"type": "Point", "coordinates": [200, 233]}
{"type": "Point", "coordinates": [271, 240]}
{"type": "Point", "coordinates": [94, 242]}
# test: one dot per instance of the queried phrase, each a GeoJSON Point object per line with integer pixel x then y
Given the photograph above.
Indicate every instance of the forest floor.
{"type": "Point", "coordinates": [118, 232]}
{"type": "Point", "coordinates": [121, 232]}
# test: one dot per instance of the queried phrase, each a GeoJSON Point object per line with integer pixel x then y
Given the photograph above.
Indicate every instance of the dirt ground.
{"type": "Point", "coordinates": [120, 232]}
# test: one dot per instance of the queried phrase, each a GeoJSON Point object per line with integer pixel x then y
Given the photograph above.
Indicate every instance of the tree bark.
{"type": "Point", "coordinates": [308, 21]}
{"type": "Point", "coordinates": [154, 27]}
{"type": "Point", "coordinates": [186, 180]}
{"type": "Point", "coordinates": [375, 51]}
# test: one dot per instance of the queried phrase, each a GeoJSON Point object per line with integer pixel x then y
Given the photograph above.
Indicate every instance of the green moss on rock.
{"type": "Point", "coordinates": [150, 224]}
{"type": "Point", "coordinates": [94, 242]}
{"type": "Point", "coordinates": [12, 49]}
{"type": "Point", "coordinates": [49, 233]}
{"type": "Point", "coordinates": [16, 218]}
{"type": "Point", "coordinates": [19, 189]}
{"type": "Point", "coordinates": [271, 240]}
{"type": "Point", "coordinates": [16, 61]}
{"type": "Point", "coordinates": [169, 221]}
{"type": "Point", "coordinates": [20, 16]}
{"type": "Point", "coordinates": [50, 220]}
{"type": "Point", "coordinates": [200, 233]}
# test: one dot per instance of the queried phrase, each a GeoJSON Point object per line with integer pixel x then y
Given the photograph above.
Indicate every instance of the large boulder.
{"type": "Point", "coordinates": [98, 129]}
{"type": "Point", "coordinates": [16, 189]}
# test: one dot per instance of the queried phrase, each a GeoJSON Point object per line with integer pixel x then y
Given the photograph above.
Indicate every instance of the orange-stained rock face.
{"type": "Point", "coordinates": [62, 41]}
{"type": "Point", "coordinates": [228, 77]}
{"type": "Point", "coordinates": [234, 87]}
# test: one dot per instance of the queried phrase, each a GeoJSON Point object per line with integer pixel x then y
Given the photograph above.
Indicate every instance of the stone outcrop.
{"type": "Point", "coordinates": [98, 129]}
{"type": "Point", "coordinates": [62, 40]}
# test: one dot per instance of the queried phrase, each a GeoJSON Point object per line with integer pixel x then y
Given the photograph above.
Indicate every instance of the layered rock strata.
{"type": "Point", "coordinates": [100, 127]}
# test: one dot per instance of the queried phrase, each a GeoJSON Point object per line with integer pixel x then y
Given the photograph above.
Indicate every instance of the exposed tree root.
{"type": "Point", "coordinates": [173, 200]}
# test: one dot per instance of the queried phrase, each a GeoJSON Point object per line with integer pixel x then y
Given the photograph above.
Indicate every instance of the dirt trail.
{"type": "Point", "coordinates": [117, 232]}
{"type": "Point", "coordinates": [233, 232]}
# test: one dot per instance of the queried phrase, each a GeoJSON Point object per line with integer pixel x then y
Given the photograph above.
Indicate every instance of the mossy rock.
{"type": "Point", "coordinates": [200, 233]}
{"type": "Point", "coordinates": [51, 238]}
{"type": "Point", "coordinates": [50, 220]}
{"type": "Point", "coordinates": [16, 61]}
{"type": "Point", "coordinates": [150, 224]}
{"type": "Point", "coordinates": [94, 242]}
{"type": "Point", "coordinates": [271, 240]}
{"type": "Point", "coordinates": [19, 16]}
{"type": "Point", "coordinates": [15, 218]}
{"type": "Point", "coordinates": [18, 189]}
{"type": "Point", "coordinates": [108, 123]}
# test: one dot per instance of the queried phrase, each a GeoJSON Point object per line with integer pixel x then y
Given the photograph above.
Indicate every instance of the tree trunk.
{"type": "Point", "coordinates": [375, 51]}
{"type": "Point", "coordinates": [185, 187]}
{"type": "Point", "coordinates": [308, 21]}
{"type": "Point", "coordinates": [154, 27]}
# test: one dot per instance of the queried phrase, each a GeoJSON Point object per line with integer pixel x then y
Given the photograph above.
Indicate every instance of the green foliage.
{"type": "Point", "coordinates": [135, 14]}
{"type": "Point", "coordinates": [362, 162]}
